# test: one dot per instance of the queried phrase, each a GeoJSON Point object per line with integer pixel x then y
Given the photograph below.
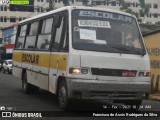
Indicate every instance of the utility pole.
{"type": "Point", "coordinates": [51, 4]}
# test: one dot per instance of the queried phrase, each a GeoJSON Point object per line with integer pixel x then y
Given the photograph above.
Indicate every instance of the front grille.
{"type": "Point", "coordinates": [108, 72]}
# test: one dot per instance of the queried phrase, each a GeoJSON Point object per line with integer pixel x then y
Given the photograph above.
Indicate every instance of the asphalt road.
{"type": "Point", "coordinates": [13, 97]}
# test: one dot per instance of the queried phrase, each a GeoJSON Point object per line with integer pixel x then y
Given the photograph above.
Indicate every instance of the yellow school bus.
{"type": "Point", "coordinates": [82, 52]}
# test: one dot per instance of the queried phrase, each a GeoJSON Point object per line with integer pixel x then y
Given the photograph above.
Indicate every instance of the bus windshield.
{"type": "Point", "coordinates": [106, 32]}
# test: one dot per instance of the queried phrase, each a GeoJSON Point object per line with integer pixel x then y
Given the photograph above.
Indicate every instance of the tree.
{"type": "Point", "coordinates": [65, 2]}
{"type": "Point", "coordinates": [124, 5]}
{"type": "Point", "coordinates": [145, 7]}
{"type": "Point", "coordinates": [126, 9]}
{"type": "Point", "coordinates": [85, 2]}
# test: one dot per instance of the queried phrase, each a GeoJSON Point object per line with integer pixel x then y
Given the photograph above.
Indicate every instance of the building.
{"type": "Point", "coordinates": [152, 16]}
{"type": "Point", "coordinates": [152, 40]}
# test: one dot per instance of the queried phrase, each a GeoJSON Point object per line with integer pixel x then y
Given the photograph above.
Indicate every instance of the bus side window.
{"type": "Point", "coordinates": [44, 38]}
{"type": "Point", "coordinates": [61, 36]}
{"type": "Point", "coordinates": [64, 45]}
{"type": "Point", "coordinates": [21, 37]}
{"type": "Point", "coordinates": [56, 44]}
{"type": "Point", "coordinates": [31, 38]}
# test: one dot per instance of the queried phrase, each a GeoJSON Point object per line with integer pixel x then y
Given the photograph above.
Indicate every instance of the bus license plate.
{"type": "Point", "coordinates": [128, 74]}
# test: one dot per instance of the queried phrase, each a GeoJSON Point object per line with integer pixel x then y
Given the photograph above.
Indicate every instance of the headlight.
{"type": "Point", "coordinates": [77, 70]}
{"type": "Point", "coordinates": [144, 74]}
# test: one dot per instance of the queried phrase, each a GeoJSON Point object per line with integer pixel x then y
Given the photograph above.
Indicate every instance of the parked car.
{"type": "Point", "coordinates": [7, 66]}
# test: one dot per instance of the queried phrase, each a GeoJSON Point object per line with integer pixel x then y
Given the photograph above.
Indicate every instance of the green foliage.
{"type": "Point", "coordinates": [126, 9]}
{"type": "Point", "coordinates": [124, 6]}
{"type": "Point", "coordinates": [142, 2]}
{"type": "Point", "coordinates": [84, 2]}
{"type": "Point", "coordinates": [66, 2]}
{"type": "Point", "coordinates": [145, 7]}
{"type": "Point", "coordinates": [144, 10]}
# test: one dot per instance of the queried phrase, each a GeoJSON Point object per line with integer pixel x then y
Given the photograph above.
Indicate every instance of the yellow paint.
{"type": "Point", "coordinates": [17, 56]}
{"type": "Point", "coordinates": [53, 62]}
{"type": "Point", "coordinates": [62, 62]}
{"type": "Point", "coordinates": [45, 60]}
{"type": "Point", "coordinates": [153, 41]}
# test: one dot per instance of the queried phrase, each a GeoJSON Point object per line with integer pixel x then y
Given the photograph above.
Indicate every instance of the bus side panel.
{"type": "Point", "coordinates": [41, 68]}
{"type": "Point", "coordinates": [17, 58]}
{"type": "Point", "coordinates": [17, 72]}
{"type": "Point", "coordinates": [31, 77]}
{"type": "Point", "coordinates": [17, 64]}
{"type": "Point", "coordinates": [58, 67]}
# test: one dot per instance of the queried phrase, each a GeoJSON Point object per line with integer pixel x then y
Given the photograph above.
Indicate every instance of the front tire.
{"type": "Point", "coordinates": [63, 95]}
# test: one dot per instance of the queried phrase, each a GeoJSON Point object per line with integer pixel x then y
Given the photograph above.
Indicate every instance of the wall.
{"type": "Point", "coordinates": [153, 46]}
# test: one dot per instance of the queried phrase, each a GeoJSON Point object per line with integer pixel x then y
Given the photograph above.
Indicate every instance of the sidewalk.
{"type": "Point", "coordinates": [155, 96]}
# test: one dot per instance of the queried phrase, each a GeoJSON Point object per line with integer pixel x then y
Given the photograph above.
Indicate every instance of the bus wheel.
{"type": "Point", "coordinates": [63, 95]}
{"type": "Point", "coordinates": [25, 85]}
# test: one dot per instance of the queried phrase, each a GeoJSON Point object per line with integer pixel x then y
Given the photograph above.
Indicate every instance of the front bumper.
{"type": "Point", "coordinates": [103, 89]}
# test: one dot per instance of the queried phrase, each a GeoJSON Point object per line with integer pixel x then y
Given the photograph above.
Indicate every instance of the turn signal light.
{"type": "Point", "coordinates": [144, 74]}
{"type": "Point", "coordinates": [147, 74]}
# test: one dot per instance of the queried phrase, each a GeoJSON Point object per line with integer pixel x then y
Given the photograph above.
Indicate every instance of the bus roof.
{"type": "Point", "coordinates": [71, 8]}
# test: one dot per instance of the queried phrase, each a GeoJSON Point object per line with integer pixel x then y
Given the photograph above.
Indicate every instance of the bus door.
{"type": "Point", "coordinates": [58, 61]}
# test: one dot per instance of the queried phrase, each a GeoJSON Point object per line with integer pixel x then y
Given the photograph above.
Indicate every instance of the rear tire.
{"type": "Point", "coordinates": [63, 95]}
